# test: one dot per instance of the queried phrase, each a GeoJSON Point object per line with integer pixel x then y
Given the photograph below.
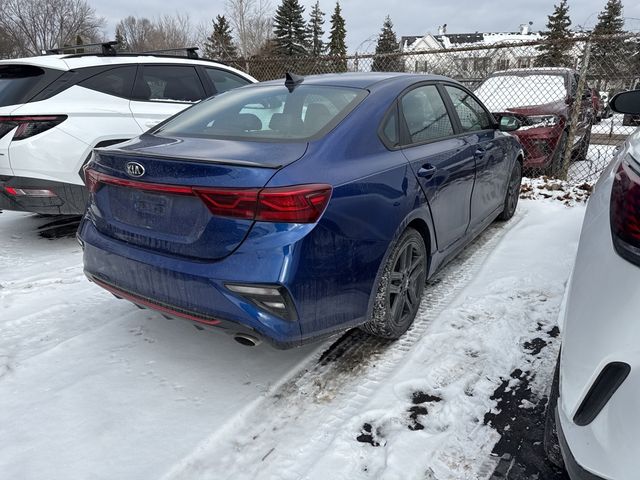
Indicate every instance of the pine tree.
{"type": "Point", "coordinates": [291, 35]}
{"type": "Point", "coordinates": [556, 51]}
{"type": "Point", "coordinates": [122, 45]}
{"type": "Point", "coordinates": [387, 43]}
{"type": "Point", "coordinates": [337, 47]}
{"type": "Point", "coordinates": [219, 45]}
{"type": "Point", "coordinates": [609, 55]}
{"type": "Point", "coordinates": [315, 30]}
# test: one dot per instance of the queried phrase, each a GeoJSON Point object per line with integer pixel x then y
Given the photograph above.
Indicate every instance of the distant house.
{"type": "Point", "coordinates": [469, 55]}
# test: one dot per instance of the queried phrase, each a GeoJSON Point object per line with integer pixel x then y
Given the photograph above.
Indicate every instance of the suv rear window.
{"type": "Point", "coordinates": [267, 113]}
{"type": "Point", "coordinates": [19, 83]}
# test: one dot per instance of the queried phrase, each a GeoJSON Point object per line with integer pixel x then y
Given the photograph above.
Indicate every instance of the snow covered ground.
{"type": "Point", "coordinates": [91, 387]}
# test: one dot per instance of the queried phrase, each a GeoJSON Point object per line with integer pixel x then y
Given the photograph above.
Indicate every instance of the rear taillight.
{"type": "Point", "coordinates": [294, 204]}
{"type": "Point", "coordinates": [28, 126]}
{"type": "Point", "coordinates": [625, 212]}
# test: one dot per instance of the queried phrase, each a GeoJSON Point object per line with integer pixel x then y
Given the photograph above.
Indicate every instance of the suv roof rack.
{"type": "Point", "coordinates": [108, 50]}
{"type": "Point", "coordinates": [106, 47]}
{"type": "Point", "coordinates": [192, 52]}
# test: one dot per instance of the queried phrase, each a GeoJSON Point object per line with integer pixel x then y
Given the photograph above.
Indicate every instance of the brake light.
{"type": "Point", "coordinates": [28, 126]}
{"type": "Point", "coordinates": [625, 212]}
{"type": "Point", "coordinates": [294, 204]}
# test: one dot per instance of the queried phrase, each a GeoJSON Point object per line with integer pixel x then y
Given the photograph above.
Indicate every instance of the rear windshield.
{"type": "Point", "coordinates": [266, 113]}
{"type": "Point", "coordinates": [501, 92]}
{"type": "Point", "coordinates": [18, 83]}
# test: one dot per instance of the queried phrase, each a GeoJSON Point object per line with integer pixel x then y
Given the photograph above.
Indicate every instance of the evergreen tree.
{"type": "Point", "coordinates": [387, 43]}
{"type": "Point", "coordinates": [219, 44]}
{"type": "Point", "coordinates": [337, 40]}
{"type": "Point", "coordinates": [291, 35]}
{"type": "Point", "coordinates": [609, 56]}
{"type": "Point", "coordinates": [122, 45]}
{"type": "Point", "coordinates": [315, 30]}
{"type": "Point", "coordinates": [556, 51]}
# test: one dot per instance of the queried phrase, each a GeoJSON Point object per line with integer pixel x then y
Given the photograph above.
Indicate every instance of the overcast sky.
{"type": "Point", "coordinates": [410, 17]}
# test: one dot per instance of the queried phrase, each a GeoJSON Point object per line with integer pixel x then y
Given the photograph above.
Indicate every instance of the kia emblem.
{"type": "Point", "coordinates": [134, 169]}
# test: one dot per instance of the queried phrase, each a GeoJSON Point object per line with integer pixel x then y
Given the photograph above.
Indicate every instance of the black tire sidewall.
{"type": "Point", "coordinates": [380, 323]}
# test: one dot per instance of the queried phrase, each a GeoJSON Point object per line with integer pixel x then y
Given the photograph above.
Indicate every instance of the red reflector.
{"type": "Point", "coordinates": [295, 204]}
{"type": "Point", "coordinates": [625, 212]}
{"type": "Point", "coordinates": [29, 192]}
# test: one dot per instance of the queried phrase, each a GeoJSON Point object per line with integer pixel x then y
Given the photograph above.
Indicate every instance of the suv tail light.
{"type": "Point", "coordinates": [294, 204]}
{"type": "Point", "coordinates": [28, 126]}
{"type": "Point", "coordinates": [625, 212]}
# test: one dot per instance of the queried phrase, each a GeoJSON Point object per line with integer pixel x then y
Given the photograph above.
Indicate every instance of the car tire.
{"type": "Point", "coordinates": [551, 442]}
{"type": "Point", "coordinates": [513, 193]}
{"type": "Point", "coordinates": [555, 167]}
{"type": "Point", "coordinates": [583, 149]}
{"type": "Point", "coordinates": [400, 287]}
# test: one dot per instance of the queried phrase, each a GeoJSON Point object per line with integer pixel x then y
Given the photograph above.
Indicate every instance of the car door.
{"type": "Point", "coordinates": [436, 156]}
{"type": "Point", "coordinates": [161, 91]}
{"type": "Point", "coordinates": [479, 135]}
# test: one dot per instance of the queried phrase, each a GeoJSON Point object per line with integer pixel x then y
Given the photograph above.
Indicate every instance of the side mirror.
{"type": "Point", "coordinates": [626, 102]}
{"type": "Point", "coordinates": [509, 123]}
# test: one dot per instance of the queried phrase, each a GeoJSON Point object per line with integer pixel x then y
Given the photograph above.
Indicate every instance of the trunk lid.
{"type": "Point", "coordinates": [158, 206]}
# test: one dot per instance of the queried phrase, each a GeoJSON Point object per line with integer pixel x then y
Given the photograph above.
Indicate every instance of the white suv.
{"type": "Point", "coordinates": [54, 109]}
{"type": "Point", "coordinates": [592, 420]}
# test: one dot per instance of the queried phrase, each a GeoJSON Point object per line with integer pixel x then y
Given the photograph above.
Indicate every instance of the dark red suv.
{"type": "Point", "coordinates": [543, 99]}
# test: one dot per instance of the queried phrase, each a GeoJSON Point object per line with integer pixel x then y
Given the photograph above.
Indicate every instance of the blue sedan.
{"type": "Point", "coordinates": [291, 210]}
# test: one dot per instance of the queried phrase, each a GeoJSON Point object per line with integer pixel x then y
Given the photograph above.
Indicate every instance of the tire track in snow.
{"type": "Point", "coordinates": [332, 388]}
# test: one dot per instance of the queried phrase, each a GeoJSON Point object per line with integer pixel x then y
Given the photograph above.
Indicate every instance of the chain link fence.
{"type": "Point", "coordinates": [568, 130]}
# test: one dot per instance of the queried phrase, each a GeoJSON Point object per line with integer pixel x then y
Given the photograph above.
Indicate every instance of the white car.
{"type": "Point", "coordinates": [54, 109]}
{"type": "Point", "coordinates": [596, 393]}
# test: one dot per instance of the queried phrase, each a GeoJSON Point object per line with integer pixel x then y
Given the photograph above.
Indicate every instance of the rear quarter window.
{"type": "Point", "coordinates": [20, 83]}
{"type": "Point", "coordinates": [223, 80]}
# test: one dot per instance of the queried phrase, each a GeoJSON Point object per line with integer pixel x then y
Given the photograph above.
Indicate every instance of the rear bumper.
{"type": "Point", "coordinates": [67, 199]}
{"type": "Point", "coordinates": [189, 289]}
{"type": "Point", "coordinates": [575, 471]}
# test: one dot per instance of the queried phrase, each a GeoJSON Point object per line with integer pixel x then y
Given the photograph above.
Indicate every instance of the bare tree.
{"type": "Point", "coordinates": [39, 25]}
{"type": "Point", "coordinates": [252, 23]}
{"type": "Point", "coordinates": [136, 33]}
{"type": "Point", "coordinates": [169, 31]}
{"type": "Point", "coordinates": [9, 46]}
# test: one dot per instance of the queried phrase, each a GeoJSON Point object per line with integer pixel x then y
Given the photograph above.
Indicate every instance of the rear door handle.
{"type": "Point", "coordinates": [427, 171]}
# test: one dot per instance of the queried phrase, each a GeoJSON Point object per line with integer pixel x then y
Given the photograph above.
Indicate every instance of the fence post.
{"type": "Point", "coordinates": [575, 112]}
{"type": "Point", "coordinates": [355, 63]}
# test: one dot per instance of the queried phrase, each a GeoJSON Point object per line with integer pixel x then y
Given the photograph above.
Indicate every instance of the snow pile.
{"type": "Point", "coordinates": [551, 188]}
